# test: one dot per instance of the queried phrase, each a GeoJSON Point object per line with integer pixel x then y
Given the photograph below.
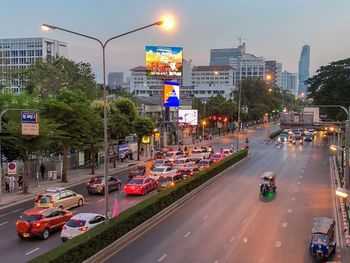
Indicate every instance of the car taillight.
{"type": "Point", "coordinates": [83, 228]}
{"type": "Point", "coordinates": [51, 199]}
{"type": "Point", "coordinates": [172, 184]}
{"type": "Point", "coordinates": [191, 173]}
{"type": "Point", "coordinates": [125, 187]}
{"type": "Point", "coordinates": [37, 224]}
{"type": "Point", "coordinates": [102, 184]}
{"type": "Point", "coordinates": [88, 183]}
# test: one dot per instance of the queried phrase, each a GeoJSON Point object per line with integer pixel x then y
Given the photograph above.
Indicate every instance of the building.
{"type": "Point", "coordinates": [290, 82]}
{"type": "Point", "coordinates": [20, 53]}
{"type": "Point", "coordinates": [304, 65]}
{"type": "Point", "coordinates": [222, 56]}
{"type": "Point", "coordinates": [115, 79]}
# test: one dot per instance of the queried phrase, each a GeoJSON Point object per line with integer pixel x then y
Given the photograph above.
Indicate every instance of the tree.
{"type": "Point", "coordinates": [143, 126]}
{"type": "Point", "coordinates": [331, 85]}
{"type": "Point", "coordinates": [48, 77]}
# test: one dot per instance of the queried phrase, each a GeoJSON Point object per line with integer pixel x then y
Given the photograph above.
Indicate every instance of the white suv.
{"type": "Point", "coordinates": [183, 163]}
{"type": "Point", "coordinates": [200, 153]}
{"type": "Point", "coordinates": [173, 155]}
{"type": "Point", "coordinates": [162, 171]}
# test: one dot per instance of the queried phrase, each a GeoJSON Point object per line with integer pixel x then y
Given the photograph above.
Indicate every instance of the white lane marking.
{"type": "Point", "coordinates": [131, 202]}
{"type": "Point", "coordinates": [300, 176]}
{"type": "Point", "coordinates": [284, 225]}
{"type": "Point", "coordinates": [216, 261]}
{"type": "Point", "coordinates": [289, 210]}
{"type": "Point", "coordinates": [339, 256]}
{"type": "Point", "coordinates": [100, 200]}
{"type": "Point", "coordinates": [205, 217]}
{"type": "Point", "coordinates": [302, 171]}
{"type": "Point", "coordinates": [32, 251]}
{"type": "Point", "coordinates": [296, 190]}
{"type": "Point", "coordinates": [245, 220]}
{"type": "Point", "coordinates": [14, 211]}
{"type": "Point", "coordinates": [162, 257]}
{"type": "Point", "coordinates": [245, 240]}
{"type": "Point", "coordinates": [298, 183]}
{"type": "Point", "coordinates": [187, 234]}
{"type": "Point", "coordinates": [278, 244]}
{"type": "Point", "coordinates": [293, 199]}
{"type": "Point", "coordinates": [4, 223]}
{"type": "Point", "coordinates": [232, 238]}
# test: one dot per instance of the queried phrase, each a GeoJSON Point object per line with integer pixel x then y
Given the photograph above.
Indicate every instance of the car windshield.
{"type": "Point", "coordinates": [215, 156]}
{"type": "Point", "coordinates": [320, 238]}
{"type": "Point", "coordinates": [158, 170]}
{"type": "Point", "coordinates": [136, 181]}
{"type": "Point", "coordinates": [159, 161]}
{"type": "Point", "coordinates": [179, 161]}
{"type": "Point", "coordinates": [169, 154]}
{"type": "Point", "coordinates": [196, 152]}
{"type": "Point", "coordinates": [164, 179]}
{"type": "Point", "coordinates": [30, 218]}
{"type": "Point", "coordinates": [76, 223]}
{"type": "Point", "coordinates": [203, 162]}
{"type": "Point", "coordinates": [97, 180]}
{"type": "Point", "coordinates": [45, 200]}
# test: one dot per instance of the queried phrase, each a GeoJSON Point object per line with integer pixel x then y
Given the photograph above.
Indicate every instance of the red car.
{"type": "Point", "coordinates": [140, 185]}
{"type": "Point", "coordinates": [217, 157]}
{"type": "Point", "coordinates": [41, 221]}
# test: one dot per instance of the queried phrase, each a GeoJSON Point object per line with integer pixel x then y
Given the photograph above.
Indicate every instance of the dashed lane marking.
{"type": "Point", "coordinates": [162, 257]}
{"type": "Point", "coordinates": [303, 171]}
{"type": "Point", "coordinates": [290, 210]}
{"type": "Point", "coordinates": [14, 211]}
{"type": "Point", "coordinates": [284, 225]}
{"type": "Point", "coordinates": [32, 251]}
{"type": "Point", "coordinates": [4, 223]}
{"type": "Point", "coordinates": [298, 183]}
{"type": "Point", "coordinates": [100, 200]}
{"type": "Point", "coordinates": [187, 234]}
{"type": "Point", "coordinates": [131, 202]}
{"type": "Point", "coordinates": [232, 238]}
{"type": "Point", "coordinates": [205, 217]}
{"type": "Point", "coordinates": [245, 240]}
{"type": "Point", "coordinates": [293, 199]}
{"type": "Point", "coordinates": [278, 244]}
{"type": "Point", "coordinates": [296, 190]}
{"type": "Point", "coordinates": [245, 220]}
{"type": "Point", "coordinates": [300, 176]}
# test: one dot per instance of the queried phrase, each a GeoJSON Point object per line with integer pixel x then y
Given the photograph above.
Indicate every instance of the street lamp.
{"type": "Point", "coordinates": [342, 192]}
{"type": "Point", "coordinates": [166, 23]}
{"type": "Point", "coordinates": [203, 123]}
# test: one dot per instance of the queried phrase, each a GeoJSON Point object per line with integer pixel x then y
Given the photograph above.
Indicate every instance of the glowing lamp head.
{"type": "Point", "coordinates": [167, 22]}
{"type": "Point", "coordinates": [268, 77]}
{"type": "Point", "coordinates": [46, 27]}
{"type": "Point", "coordinates": [342, 192]}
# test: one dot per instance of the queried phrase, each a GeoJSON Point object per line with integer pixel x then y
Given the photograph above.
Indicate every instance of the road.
{"type": "Point", "coordinates": [13, 249]}
{"type": "Point", "coordinates": [230, 222]}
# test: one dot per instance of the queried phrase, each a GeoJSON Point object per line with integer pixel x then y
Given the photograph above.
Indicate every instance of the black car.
{"type": "Point", "coordinates": [188, 172]}
{"type": "Point", "coordinates": [309, 137]}
{"type": "Point", "coordinates": [96, 185]}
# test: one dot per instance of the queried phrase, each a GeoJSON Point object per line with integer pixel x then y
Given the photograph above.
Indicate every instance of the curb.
{"type": "Point", "coordinates": [141, 229]}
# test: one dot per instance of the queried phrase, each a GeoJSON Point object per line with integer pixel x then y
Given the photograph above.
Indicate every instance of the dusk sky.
{"type": "Point", "coordinates": [274, 29]}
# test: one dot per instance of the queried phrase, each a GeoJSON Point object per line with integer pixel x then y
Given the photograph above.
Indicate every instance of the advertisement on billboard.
{"type": "Point", "coordinates": [188, 117]}
{"type": "Point", "coordinates": [164, 61]}
{"type": "Point", "coordinates": [171, 94]}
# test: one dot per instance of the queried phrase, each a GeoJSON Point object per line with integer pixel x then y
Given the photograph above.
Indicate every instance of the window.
{"type": "Point", "coordinates": [96, 219]}
{"type": "Point", "coordinates": [62, 195]}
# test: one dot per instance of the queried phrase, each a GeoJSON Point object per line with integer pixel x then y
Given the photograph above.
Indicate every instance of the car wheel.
{"type": "Point", "coordinates": [45, 235]}
{"type": "Point", "coordinates": [20, 236]}
{"type": "Point", "coordinates": [144, 192]}
{"type": "Point", "coordinates": [80, 202]}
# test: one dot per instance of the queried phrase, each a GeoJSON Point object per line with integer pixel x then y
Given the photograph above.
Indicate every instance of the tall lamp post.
{"type": "Point", "coordinates": [166, 23]}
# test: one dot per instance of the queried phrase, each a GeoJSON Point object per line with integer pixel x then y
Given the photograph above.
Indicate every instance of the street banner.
{"type": "Point", "coordinates": [30, 123]}
{"type": "Point", "coordinates": [171, 94]}
{"type": "Point", "coordinates": [11, 168]}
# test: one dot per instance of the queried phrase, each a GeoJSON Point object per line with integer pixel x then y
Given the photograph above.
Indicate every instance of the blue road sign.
{"type": "Point", "coordinates": [29, 117]}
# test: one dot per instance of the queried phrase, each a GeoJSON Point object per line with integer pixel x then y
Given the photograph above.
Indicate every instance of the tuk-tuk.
{"type": "Point", "coordinates": [323, 244]}
{"type": "Point", "coordinates": [139, 170]}
{"type": "Point", "coordinates": [267, 183]}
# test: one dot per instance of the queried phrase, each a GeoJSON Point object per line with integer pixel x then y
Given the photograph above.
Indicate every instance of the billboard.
{"type": "Point", "coordinates": [171, 94]}
{"type": "Point", "coordinates": [188, 116]}
{"type": "Point", "coordinates": [164, 61]}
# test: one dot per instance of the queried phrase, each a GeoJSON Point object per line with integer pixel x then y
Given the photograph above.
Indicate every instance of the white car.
{"type": "Point", "coordinates": [183, 163]}
{"type": "Point", "coordinates": [173, 155]}
{"type": "Point", "coordinates": [227, 152]}
{"type": "Point", "coordinates": [79, 224]}
{"type": "Point", "coordinates": [200, 153]}
{"type": "Point", "coordinates": [162, 171]}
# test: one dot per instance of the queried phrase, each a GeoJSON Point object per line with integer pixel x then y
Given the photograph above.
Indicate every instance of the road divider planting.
{"type": "Point", "coordinates": [275, 134]}
{"type": "Point", "coordinates": [86, 245]}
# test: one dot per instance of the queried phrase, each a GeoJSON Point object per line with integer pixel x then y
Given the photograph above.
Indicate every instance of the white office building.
{"type": "Point", "coordinates": [290, 82]}
{"type": "Point", "coordinates": [20, 53]}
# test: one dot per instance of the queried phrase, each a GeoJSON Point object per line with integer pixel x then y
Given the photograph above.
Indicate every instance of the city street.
{"type": "Point", "coordinates": [12, 249]}
{"type": "Point", "coordinates": [230, 222]}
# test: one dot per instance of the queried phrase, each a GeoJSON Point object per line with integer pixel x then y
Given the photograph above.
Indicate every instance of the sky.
{"type": "Point", "coordinates": [274, 29]}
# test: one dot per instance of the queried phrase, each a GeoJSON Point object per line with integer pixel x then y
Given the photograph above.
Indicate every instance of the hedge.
{"type": "Point", "coordinates": [88, 244]}
{"type": "Point", "coordinates": [275, 134]}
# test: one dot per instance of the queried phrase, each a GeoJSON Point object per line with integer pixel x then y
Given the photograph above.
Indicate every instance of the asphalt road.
{"type": "Point", "coordinates": [230, 222]}
{"type": "Point", "coordinates": [13, 249]}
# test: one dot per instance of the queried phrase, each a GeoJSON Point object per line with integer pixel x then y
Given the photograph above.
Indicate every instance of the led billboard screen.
{"type": "Point", "coordinates": [164, 61]}
{"type": "Point", "coordinates": [171, 94]}
{"type": "Point", "coordinates": [188, 117]}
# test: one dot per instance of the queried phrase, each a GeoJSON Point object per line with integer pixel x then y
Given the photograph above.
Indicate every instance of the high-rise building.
{"type": "Point", "coordinates": [222, 56]}
{"type": "Point", "coordinates": [274, 70]}
{"type": "Point", "coordinates": [304, 64]}
{"type": "Point", "coordinates": [290, 82]}
{"type": "Point", "coordinates": [115, 79]}
{"type": "Point", "coordinates": [20, 53]}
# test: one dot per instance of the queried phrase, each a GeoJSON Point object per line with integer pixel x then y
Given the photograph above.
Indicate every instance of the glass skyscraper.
{"type": "Point", "coordinates": [304, 64]}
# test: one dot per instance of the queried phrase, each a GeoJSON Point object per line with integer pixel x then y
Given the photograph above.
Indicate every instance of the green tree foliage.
{"type": "Point", "coordinates": [143, 126]}
{"type": "Point", "coordinates": [47, 78]}
{"type": "Point", "coordinates": [331, 85]}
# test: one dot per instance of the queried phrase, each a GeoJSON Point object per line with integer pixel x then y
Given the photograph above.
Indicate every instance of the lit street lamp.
{"type": "Point", "coordinates": [166, 23]}
{"type": "Point", "coordinates": [203, 123]}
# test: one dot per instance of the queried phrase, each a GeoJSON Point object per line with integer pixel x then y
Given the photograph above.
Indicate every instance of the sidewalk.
{"type": "Point", "coordinates": [74, 177]}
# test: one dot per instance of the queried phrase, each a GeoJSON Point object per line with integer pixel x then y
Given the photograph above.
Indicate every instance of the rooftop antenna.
{"type": "Point", "coordinates": [240, 40]}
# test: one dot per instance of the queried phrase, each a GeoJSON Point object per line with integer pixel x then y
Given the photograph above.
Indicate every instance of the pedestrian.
{"type": "Point", "coordinates": [200, 138]}
{"type": "Point", "coordinates": [20, 182]}
{"type": "Point", "coordinates": [7, 187]}
{"type": "Point", "coordinates": [152, 150]}
{"type": "Point", "coordinates": [42, 170]}
{"type": "Point", "coordinates": [12, 183]}
{"type": "Point", "coordinates": [142, 151]}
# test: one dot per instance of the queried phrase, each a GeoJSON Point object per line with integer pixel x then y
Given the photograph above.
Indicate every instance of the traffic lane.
{"type": "Point", "coordinates": [214, 216]}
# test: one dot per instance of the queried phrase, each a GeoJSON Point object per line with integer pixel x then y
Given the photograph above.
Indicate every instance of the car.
{"type": "Point", "coordinates": [227, 152]}
{"type": "Point", "coordinates": [297, 135]}
{"type": "Point", "coordinates": [195, 159]}
{"type": "Point", "coordinates": [41, 221]}
{"type": "Point", "coordinates": [96, 185]}
{"type": "Point", "coordinates": [161, 162]}
{"type": "Point", "coordinates": [79, 224]}
{"type": "Point", "coordinates": [188, 171]}
{"type": "Point", "coordinates": [162, 170]}
{"type": "Point", "coordinates": [173, 155]}
{"type": "Point", "coordinates": [204, 164]}
{"type": "Point", "coordinates": [283, 136]}
{"type": "Point", "coordinates": [309, 137]}
{"type": "Point", "coordinates": [139, 170]}
{"type": "Point", "coordinates": [140, 185]}
{"type": "Point", "coordinates": [165, 182]}
{"type": "Point", "coordinates": [217, 157]}
{"type": "Point", "coordinates": [59, 198]}
{"type": "Point", "coordinates": [200, 153]}
{"type": "Point", "coordinates": [183, 163]}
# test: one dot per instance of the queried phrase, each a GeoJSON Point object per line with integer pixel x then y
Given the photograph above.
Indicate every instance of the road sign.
{"type": "Point", "coordinates": [245, 108]}
{"type": "Point", "coordinates": [30, 123]}
{"type": "Point", "coordinates": [11, 168]}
